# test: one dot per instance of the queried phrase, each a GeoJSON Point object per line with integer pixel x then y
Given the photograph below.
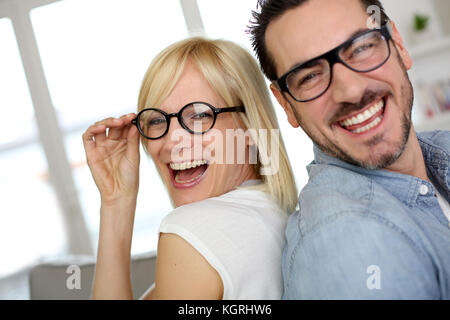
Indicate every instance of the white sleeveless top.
{"type": "Point", "coordinates": [241, 235]}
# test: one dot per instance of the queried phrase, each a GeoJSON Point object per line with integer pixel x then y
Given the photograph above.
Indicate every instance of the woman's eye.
{"type": "Point", "coordinates": [157, 121]}
{"type": "Point", "coordinates": [201, 115]}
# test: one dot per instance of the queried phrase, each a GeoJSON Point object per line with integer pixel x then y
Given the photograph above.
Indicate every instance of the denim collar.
{"type": "Point", "coordinates": [404, 187]}
{"type": "Point", "coordinates": [437, 161]}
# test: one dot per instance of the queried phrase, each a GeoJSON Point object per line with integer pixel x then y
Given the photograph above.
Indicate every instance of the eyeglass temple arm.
{"type": "Point", "coordinates": [389, 28]}
{"type": "Point", "coordinates": [275, 84]}
{"type": "Point", "coordinates": [230, 109]}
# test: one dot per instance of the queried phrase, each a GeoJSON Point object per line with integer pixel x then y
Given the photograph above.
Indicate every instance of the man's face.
{"type": "Point", "coordinates": [316, 27]}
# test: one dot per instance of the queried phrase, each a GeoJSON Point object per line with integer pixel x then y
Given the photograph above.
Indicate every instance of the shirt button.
{"type": "Point", "coordinates": [423, 190]}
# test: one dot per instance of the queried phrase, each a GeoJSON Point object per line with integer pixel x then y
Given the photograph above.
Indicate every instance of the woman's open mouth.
{"type": "Point", "coordinates": [187, 174]}
{"type": "Point", "coordinates": [368, 119]}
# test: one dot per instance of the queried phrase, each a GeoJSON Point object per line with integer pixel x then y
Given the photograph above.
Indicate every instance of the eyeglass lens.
{"type": "Point", "coordinates": [366, 52]}
{"type": "Point", "coordinates": [197, 118]}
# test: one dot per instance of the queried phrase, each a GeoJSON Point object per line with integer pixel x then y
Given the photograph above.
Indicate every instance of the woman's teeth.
{"type": "Point", "coordinates": [364, 116]}
{"type": "Point", "coordinates": [187, 165]}
{"type": "Point", "coordinates": [177, 179]}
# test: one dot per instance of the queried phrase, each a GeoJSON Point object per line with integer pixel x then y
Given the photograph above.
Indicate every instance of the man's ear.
{"type": "Point", "coordinates": [286, 106]}
{"type": "Point", "coordinates": [404, 54]}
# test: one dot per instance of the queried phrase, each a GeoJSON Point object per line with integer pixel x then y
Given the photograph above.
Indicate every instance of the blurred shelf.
{"type": "Point", "coordinates": [430, 48]}
{"type": "Point", "coordinates": [441, 122]}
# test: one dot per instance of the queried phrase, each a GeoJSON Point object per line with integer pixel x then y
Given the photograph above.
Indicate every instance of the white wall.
{"type": "Point", "coordinates": [431, 55]}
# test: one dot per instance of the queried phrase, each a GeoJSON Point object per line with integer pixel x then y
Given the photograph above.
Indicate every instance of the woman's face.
{"type": "Point", "coordinates": [185, 161]}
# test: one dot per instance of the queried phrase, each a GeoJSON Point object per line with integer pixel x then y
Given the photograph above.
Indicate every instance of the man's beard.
{"type": "Point", "coordinates": [375, 161]}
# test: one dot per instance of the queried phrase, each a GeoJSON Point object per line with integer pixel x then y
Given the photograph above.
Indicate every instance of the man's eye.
{"type": "Point", "coordinates": [308, 80]}
{"type": "Point", "coordinates": [361, 50]}
{"type": "Point", "coordinates": [309, 77]}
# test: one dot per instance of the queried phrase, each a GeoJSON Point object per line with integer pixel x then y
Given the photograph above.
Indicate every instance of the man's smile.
{"type": "Point", "coordinates": [364, 120]}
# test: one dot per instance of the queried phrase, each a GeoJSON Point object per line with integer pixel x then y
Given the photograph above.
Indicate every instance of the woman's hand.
{"type": "Point", "coordinates": [113, 158]}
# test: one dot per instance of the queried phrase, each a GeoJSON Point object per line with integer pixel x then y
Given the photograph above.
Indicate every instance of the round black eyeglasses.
{"type": "Point", "coordinates": [365, 52]}
{"type": "Point", "coordinates": [195, 117]}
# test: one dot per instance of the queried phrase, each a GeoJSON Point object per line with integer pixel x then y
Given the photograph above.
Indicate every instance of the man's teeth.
{"type": "Point", "coordinates": [363, 116]}
{"type": "Point", "coordinates": [187, 165]}
{"type": "Point", "coordinates": [369, 126]}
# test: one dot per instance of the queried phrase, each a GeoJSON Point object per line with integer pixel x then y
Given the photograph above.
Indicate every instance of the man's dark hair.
{"type": "Point", "coordinates": [269, 11]}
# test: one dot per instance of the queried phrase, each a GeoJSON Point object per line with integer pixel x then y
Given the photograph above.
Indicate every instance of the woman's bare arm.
{"type": "Point", "coordinates": [112, 153]}
{"type": "Point", "coordinates": [112, 271]}
{"type": "Point", "coordinates": [183, 273]}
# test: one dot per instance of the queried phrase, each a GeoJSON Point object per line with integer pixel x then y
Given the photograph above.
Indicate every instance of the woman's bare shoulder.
{"type": "Point", "coordinates": [183, 273]}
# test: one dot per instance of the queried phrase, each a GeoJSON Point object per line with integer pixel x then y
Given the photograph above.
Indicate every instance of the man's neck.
{"type": "Point", "coordinates": [411, 162]}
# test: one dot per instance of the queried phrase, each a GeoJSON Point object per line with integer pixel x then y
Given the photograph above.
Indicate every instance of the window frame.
{"type": "Point", "coordinates": [51, 137]}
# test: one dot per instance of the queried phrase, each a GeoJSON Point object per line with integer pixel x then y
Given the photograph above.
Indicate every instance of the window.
{"type": "Point", "coordinates": [216, 17]}
{"type": "Point", "coordinates": [95, 54]}
{"type": "Point", "coordinates": [30, 221]}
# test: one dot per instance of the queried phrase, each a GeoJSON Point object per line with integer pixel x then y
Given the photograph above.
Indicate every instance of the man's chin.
{"type": "Point", "coordinates": [375, 157]}
{"type": "Point", "coordinates": [380, 152]}
{"type": "Point", "coordinates": [378, 161]}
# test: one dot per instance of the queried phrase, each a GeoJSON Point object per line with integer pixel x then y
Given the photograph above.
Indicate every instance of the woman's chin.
{"type": "Point", "coordinates": [186, 198]}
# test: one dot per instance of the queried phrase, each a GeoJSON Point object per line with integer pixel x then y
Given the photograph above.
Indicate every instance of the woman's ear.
{"type": "Point", "coordinates": [286, 106]}
{"type": "Point", "coordinates": [404, 54]}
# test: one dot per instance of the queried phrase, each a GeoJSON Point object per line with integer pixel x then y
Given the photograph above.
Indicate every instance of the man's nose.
{"type": "Point", "coordinates": [347, 86]}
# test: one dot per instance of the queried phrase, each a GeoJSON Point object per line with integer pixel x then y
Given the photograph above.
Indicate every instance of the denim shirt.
{"type": "Point", "coordinates": [371, 234]}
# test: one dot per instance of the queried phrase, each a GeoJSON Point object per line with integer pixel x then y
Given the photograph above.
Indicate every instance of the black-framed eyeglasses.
{"type": "Point", "coordinates": [365, 52]}
{"type": "Point", "coordinates": [195, 117]}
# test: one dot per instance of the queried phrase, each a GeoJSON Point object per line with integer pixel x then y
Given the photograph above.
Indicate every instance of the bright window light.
{"type": "Point", "coordinates": [30, 221]}
{"type": "Point", "coordinates": [14, 95]}
{"type": "Point", "coordinates": [95, 54]}
{"type": "Point", "coordinates": [227, 19]}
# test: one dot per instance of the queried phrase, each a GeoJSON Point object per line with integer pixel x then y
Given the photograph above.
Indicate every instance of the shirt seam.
{"type": "Point", "coordinates": [430, 146]}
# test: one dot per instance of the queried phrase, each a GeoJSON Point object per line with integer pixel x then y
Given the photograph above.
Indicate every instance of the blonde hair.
{"type": "Point", "coordinates": [234, 75]}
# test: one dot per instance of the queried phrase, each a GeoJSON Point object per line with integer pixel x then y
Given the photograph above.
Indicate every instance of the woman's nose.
{"type": "Point", "coordinates": [178, 142]}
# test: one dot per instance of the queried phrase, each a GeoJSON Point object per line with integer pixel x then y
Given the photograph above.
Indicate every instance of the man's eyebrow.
{"type": "Point", "coordinates": [358, 33]}
{"type": "Point", "coordinates": [353, 35]}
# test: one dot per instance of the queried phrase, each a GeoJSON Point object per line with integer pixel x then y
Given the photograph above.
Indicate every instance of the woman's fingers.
{"type": "Point", "coordinates": [110, 128]}
{"type": "Point", "coordinates": [89, 137]}
{"type": "Point", "coordinates": [118, 127]}
{"type": "Point", "coordinates": [133, 142]}
{"type": "Point", "coordinates": [115, 133]}
{"type": "Point", "coordinates": [113, 126]}
{"type": "Point", "coordinates": [127, 122]}
{"type": "Point", "coordinates": [111, 155]}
